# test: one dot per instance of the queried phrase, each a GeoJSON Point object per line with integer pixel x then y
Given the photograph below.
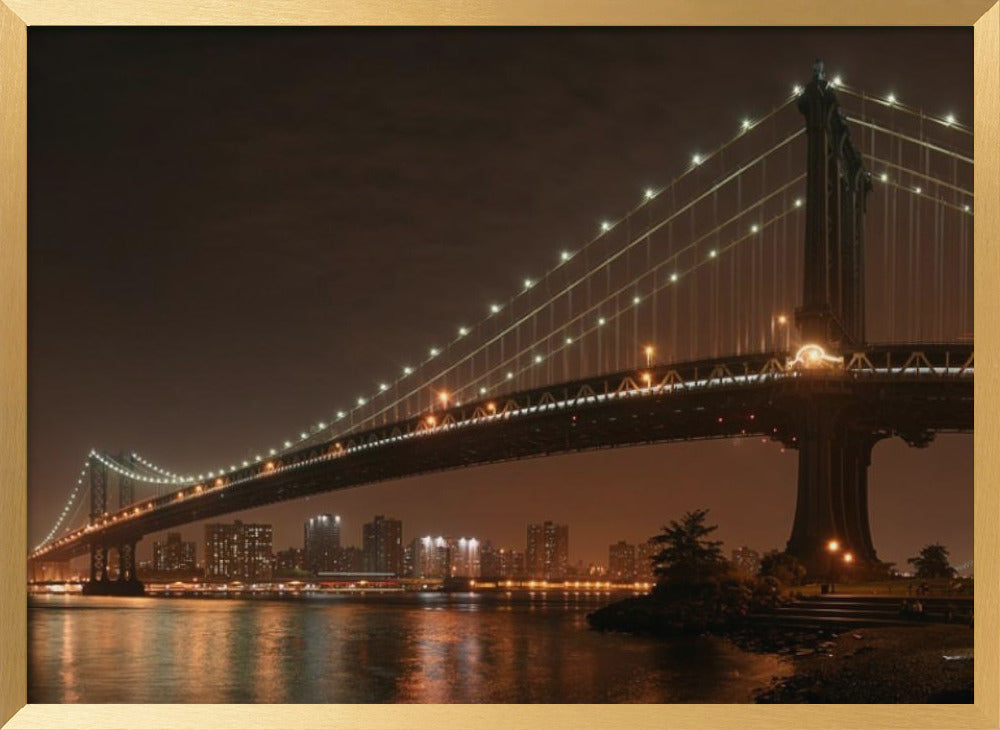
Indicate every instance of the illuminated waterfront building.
{"type": "Point", "coordinates": [547, 554]}
{"type": "Point", "coordinates": [321, 542]}
{"type": "Point", "coordinates": [238, 552]}
{"type": "Point", "coordinates": [173, 555]}
{"type": "Point", "coordinates": [383, 545]}
{"type": "Point", "coordinates": [464, 557]}
{"type": "Point", "coordinates": [621, 561]}
{"type": "Point", "coordinates": [645, 552]}
{"type": "Point", "coordinates": [431, 557]}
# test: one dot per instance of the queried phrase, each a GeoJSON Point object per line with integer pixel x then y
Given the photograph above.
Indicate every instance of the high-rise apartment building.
{"type": "Point", "coordinates": [173, 555]}
{"type": "Point", "coordinates": [547, 554]}
{"type": "Point", "coordinates": [621, 561]}
{"type": "Point", "coordinates": [238, 552]}
{"type": "Point", "coordinates": [383, 545]}
{"type": "Point", "coordinates": [321, 543]}
{"type": "Point", "coordinates": [644, 554]}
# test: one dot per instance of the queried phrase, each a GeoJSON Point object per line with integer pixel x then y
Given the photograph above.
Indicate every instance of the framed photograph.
{"type": "Point", "coordinates": [498, 365]}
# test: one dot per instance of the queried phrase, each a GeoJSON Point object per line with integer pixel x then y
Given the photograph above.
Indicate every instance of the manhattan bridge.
{"type": "Point", "coordinates": [808, 281]}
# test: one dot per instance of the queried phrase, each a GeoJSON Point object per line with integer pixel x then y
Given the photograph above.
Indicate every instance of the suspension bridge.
{"type": "Point", "coordinates": [807, 283]}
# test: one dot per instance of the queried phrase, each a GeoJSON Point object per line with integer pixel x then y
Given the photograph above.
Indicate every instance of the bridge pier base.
{"type": "Point", "coordinates": [100, 584]}
{"type": "Point", "coordinates": [831, 512]}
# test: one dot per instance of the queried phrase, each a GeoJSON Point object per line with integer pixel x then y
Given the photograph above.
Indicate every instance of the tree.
{"type": "Point", "coordinates": [783, 566]}
{"type": "Point", "coordinates": [932, 562]}
{"type": "Point", "coordinates": [687, 555]}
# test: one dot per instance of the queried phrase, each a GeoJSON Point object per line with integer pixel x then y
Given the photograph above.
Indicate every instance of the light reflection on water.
{"type": "Point", "coordinates": [413, 648]}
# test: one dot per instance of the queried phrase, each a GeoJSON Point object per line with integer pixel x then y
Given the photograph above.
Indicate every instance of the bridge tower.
{"type": "Point", "coordinates": [100, 583]}
{"type": "Point", "coordinates": [834, 449]}
{"type": "Point", "coordinates": [837, 186]}
{"type": "Point", "coordinates": [98, 508]}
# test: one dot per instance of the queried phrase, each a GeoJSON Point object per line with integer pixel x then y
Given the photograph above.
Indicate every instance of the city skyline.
{"type": "Point", "coordinates": [182, 409]}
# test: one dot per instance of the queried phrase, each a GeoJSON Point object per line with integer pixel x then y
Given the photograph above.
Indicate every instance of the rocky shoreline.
{"type": "Point", "coordinates": [892, 664]}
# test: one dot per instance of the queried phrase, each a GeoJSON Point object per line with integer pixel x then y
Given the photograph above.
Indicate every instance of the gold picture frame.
{"type": "Point", "coordinates": [16, 15]}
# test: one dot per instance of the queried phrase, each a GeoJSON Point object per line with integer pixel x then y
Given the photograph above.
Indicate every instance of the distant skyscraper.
{"type": "Point", "coordinates": [644, 554]}
{"type": "Point", "coordinates": [489, 561]}
{"type": "Point", "coordinates": [174, 554]}
{"type": "Point", "coordinates": [465, 557]}
{"type": "Point", "coordinates": [547, 554]}
{"type": "Point", "coordinates": [322, 543]}
{"type": "Point", "coordinates": [238, 552]}
{"type": "Point", "coordinates": [621, 561]}
{"type": "Point", "coordinates": [383, 545]}
{"type": "Point", "coordinates": [289, 562]}
{"type": "Point", "coordinates": [747, 561]}
{"type": "Point", "coordinates": [431, 557]}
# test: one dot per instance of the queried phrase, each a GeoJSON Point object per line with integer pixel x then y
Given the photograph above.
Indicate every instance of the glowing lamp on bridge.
{"type": "Point", "coordinates": [833, 546]}
{"type": "Point", "coordinates": [491, 407]}
{"type": "Point", "coordinates": [647, 379]}
{"type": "Point", "coordinates": [848, 558]}
{"type": "Point", "coordinates": [814, 357]}
{"type": "Point", "coordinates": [269, 466]}
{"type": "Point", "coordinates": [431, 421]}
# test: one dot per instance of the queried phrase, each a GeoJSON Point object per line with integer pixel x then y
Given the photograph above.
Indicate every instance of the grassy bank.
{"type": "Point", "coordinates": [903, 664]}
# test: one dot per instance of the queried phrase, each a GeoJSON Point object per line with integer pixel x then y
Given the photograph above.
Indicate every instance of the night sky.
{"type": "Point", "coordinates": [234, 232]}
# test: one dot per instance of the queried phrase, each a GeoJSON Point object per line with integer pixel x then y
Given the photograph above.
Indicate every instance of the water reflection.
{"type": "Point", "coordinates": [413, 648]}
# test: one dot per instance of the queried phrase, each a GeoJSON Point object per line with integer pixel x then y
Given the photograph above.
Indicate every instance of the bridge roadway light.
{"type": "Point", "coordinates": [649, 355]}
{"type": "Point", "coordinates": [565, 255]}
{"type": "Point", "coordinates": [696, 159]}
{"type": "Point", "coordinates": [510, 375]}
{"type": "Point", "coordinates": [884, 177]}
{"type": "Point", "coordinates": [650, 193]}
{"type": "Point", "coordinates": [891, 99]}
{"type": "Point", "coordinates": [494, 308]}
{"type": "Point", "coordinates": [950, 119]}
{"type": "Point", "coordinates": [528, 283]}
{"type": "Point", "coordinates": [713, 253]}
{"type": "Point", "coordinates": [605, 226]}
{"type": "Point", "coordinates": [848, 558]}
{"type": "Point", "coordinates": [833, 546]}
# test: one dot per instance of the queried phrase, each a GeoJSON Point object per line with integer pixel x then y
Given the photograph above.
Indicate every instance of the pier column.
{"type": "Point", "coordinates": [832, 501]}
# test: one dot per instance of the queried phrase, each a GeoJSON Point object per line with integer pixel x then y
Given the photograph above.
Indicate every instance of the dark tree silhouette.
{"type": "Point", "coordinates": [784, 567]}
{"type": "Point", "coordinates": [932, 562]}
{"type": "Point", "coordinates": [686, 554]}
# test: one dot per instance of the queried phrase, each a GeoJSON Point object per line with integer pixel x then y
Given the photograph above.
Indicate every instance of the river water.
{"type": "Point", "coordinates": [424, 647]}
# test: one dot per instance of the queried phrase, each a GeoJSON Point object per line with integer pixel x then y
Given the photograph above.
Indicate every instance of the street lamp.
{"type": "Point", "coordinates": [832, 546]}
{"type": "Point", "coordinates": [781, 320]}
{"type": "Point", "coordinates": [649, 355]}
